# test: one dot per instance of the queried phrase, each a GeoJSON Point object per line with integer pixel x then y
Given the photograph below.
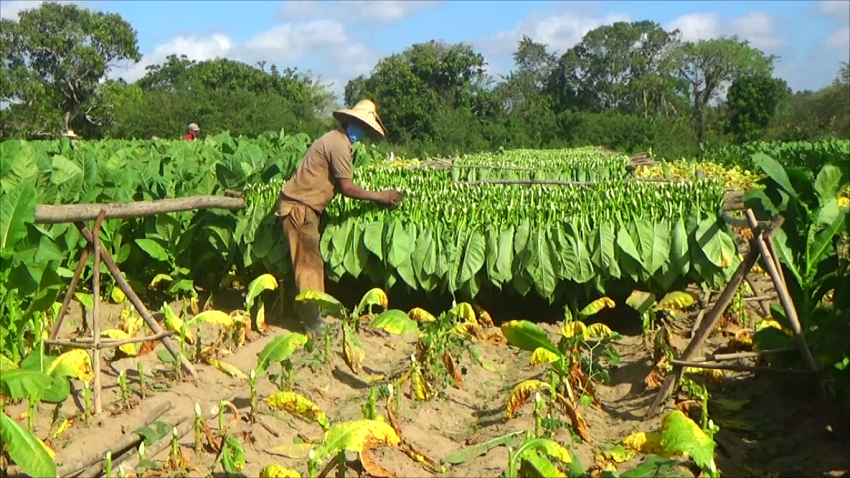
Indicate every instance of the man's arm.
{"type": "Point", "coordinates": [348, 189]}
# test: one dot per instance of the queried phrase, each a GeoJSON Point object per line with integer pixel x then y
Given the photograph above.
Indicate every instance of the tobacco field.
{"type": "Point", "coordinates": [514, 316]}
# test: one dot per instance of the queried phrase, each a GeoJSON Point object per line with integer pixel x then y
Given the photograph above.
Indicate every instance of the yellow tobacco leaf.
{"type": "Point", "coordinates": [75, 364]}
{"type": "Point", "coordinates": [643, 442]}
{"type": "Point", "coordinates": [353, 436]}
{"type": "Point", "coordinates": [116, 334]}
{"type": "Point", "coordinates": [174, 323]}
{"type": "Point", "coordinates": [598, 331]}
{"type": "Point", "coordinates": [132, 324]}
{"type": "Point", "coordinates": [159, 278]}
{"type": "Point", "coordinates": [372, 468]}
{"type": "Point", "coordinates": [542, 356]}
{"type": "Point", "coordinates": [6, 364]}
{"type": "Point", "coordinates": [277, 471]}
{"type": "Point", "coordinates": [47, 449]}
{"type": "Point", "coordinates": [619, 454]}
{"type": "Point", "coordinates": [421, 388]}
{"type": "Point", "coordinates": [677, 300]}
{"type": "Point", "coordinates": [261, 318]}
{"type": "Point", "coordinates": [483, 316]}
{"type": "Point", "coordinates": [465, 329]}
{"type": "Point", "coordinates": [299, 405]}
{"type": "Point", "coordinates": [226, 368]}
{"type": "Point", "coordinates": [421, 315]}
{"type": "Point", "coordinates": [214, 317]}
{"type": "Point", "coordinates": [63, 427]}
{"type": "Point", "coordinates": [556, 451]}
{"type": "Point", "coordinates": [574, 329]}
{"type": "Point", "coordinates": [743, 340]}
{"type": "Point", "coordinates": [375, 296]}
{"type": "Point", "coordinates": [117, 295]}
{"type": "Point", "coordinates": [772, 323]}
{"type": "Point", "coordinates": [713, 375]}
{"type": "Point", "coordinates": [464, 312]}
{"type": "Point", "coordinates": [521, 393]}
{"type": "Point", "coordinates": [597, 305]}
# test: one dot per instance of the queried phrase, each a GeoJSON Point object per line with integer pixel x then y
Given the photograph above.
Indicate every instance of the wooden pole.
{"type": "Point", "coordinates": [137, 302]}
{"type": "Point", "coordinates": [738, 368]}
{"type": "Point", "coordinates": [710, 320]}
{"type": "Point", "coordinates": [98, 389]}
{"type": "Point", "coordinates": [123, 443]}
{"type": "Point", "coordinates": [784, 298]}
{"type": "Point", "coordinates": [55, 214]}
{"type": "Point", "coordinates": [69, 294]}
{"type": "Point", "coordinates": [87, 343]}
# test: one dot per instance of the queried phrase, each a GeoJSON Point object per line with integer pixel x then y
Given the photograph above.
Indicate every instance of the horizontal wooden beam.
{"type": "Point", "coordinates": [56, 214]}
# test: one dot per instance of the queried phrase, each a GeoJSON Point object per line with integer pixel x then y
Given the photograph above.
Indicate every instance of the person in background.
{"type": "Point", "coordinates": [193, 133]}
{"type": "Point", "coordinates": [72, 137]}
{"type": "Point", "coordinates": [324, 171]}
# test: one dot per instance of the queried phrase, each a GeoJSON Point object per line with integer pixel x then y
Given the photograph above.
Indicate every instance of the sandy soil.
{"type": "Point", "coordinates": [774, 426]}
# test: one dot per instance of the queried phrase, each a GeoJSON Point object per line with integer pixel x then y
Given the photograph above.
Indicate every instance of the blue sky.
{"type": "Point", "coordinates": [340, 40]}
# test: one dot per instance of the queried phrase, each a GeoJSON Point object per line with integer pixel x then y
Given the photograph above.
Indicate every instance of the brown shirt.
{"type": "Point", "coordinates": [314, 182]}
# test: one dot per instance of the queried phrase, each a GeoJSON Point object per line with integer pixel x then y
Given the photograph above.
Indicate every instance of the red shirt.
{"type": "Point", "coordinates": [188, 137]}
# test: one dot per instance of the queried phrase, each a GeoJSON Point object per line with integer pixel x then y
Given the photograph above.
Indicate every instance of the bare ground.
{"type": "Point", "coordinates": [770, 425]}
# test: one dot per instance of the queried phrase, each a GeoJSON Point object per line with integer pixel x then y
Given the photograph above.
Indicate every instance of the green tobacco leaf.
{"type": "Point", "coordinates": [87, 300]}
{"type": "Point", "coordinates": [527, 336]}
{"type": "Point", "coordinates": [153, 249]}
{"type": "Point", "coordinates": [395, 321]}
{"type": "Point", "coordinates": [709, 239]}
{"type": "Point", "coordinates": [279, 349]}
{"type": "Point", "coordinates": [474, 451]}
{"type": "Point", "coordinates": [326, 302]}
{"type": "Point", "coordinates": [831, 179]}
{"type": "Point", "coordinates": [257, 286]}
{"type": "Point", "coordinates": [373, 238]}
{"type": "Point", "coordinates": [679, 434]}
{"type": "Point", "coordinates": [64, 170]}
{"type": "Point", "coordinates": [20, 384]}
{"type": "Point", "coordinates": [774, 171]}
{"type": "Point", "coordinates": [473, 257]}
{"type": "Point", "coordinates": [640, 301]}
{"type": "Point", "coordinates": [656, 467]}
{"type": "Point", "coordinates": [25, 450]}
{"type": "Point", "coordinates": [679, 254]}
{"type": "Point", "coordinates": [16, 210]}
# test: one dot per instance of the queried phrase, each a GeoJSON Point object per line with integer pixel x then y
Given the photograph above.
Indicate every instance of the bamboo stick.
{"type": "Point", "coordinates": [88, 343]}
{"type": "Point", "coordinates": [739, 368]}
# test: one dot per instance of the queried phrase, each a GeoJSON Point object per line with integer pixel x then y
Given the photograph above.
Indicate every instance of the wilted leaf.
{"type": "Point", "coordinates": [598, 331]}
{"type": "Point", "coordinates": [575, 329]}
{"type": "Point", "coordinates": [352, 436]}
{"type": "Point", "coordinates": [214, 317]}
{"type": "Point", "coordinates": [352, 349]}
{"type": "Point", "coordinates": [713, 375]}
{"type": "Point", "coordinates": [369, 465]}
{"type": "Point", "coordinates": [542, 356]}
{"type": "Point", "coordinates": [277, 471]}
{"type": "Point", "coordinates": [395, 321]}
{"type": "Point", "coordinates": [117, 295]}
{"type": "Point", "coordinates": [677, 300]}
{"type": "Point", "coordinates": [175, 324]}
{"type": "Point", "coordinates": [466, 329]}
{"type": "Point", "coordinates": [420, 387]}
{"type": "Point", "coordinates": [298, 405]}
{"type": "Point", "coordinates": [159, 278]}
{"type": "Point", "coordinates": [327, 304]}
{"type": "Point", "coordinates": [74, 364]}
{"type": "Point", "coordinates": [226, 368]}
{"type": "Point", "coordinates": [464, 313]}
{"type": "Point", "coordinates": [257, 286]}
{"type": "Point", "coordinates": [128, 349]}
{"type": "Point", "coordinates": [375, 297]}
{"type": "Point", "coordinates": [63, 427]}
{"type": "Point", "coordinates": [643, 442]}
{"type": "Point", "coordinates": [597, 305]}
{"type": "Point", "coordinates": [261, 318]}
{"type": "Point", "coordinates": [421, 315]}
{"type": "Point", "coordinates": [619, 454]}
{"type": "Point", "coordinates": [522, 392]}
{"type": "Point", "coordinates": [483, 317]}
{"type": "Point", "coordinates": [578, 422]}
{"type": "Point", "coordinates": [453, 369]}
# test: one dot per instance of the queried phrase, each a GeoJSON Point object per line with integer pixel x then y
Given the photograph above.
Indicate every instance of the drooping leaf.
{"type": "Point", "coordinates": [298, 405]}
{"type": "Point", "coordinates": [257, 286]}
{"type": "Point", "coordinates": [679, 434]}
{"type": "Point", "coordinates": [352, 436]}
{"type": "Point", "coordinates": [374, 297]}
{"type": "Point", "coordinates": [214, 317]}
{"type": "Point", "coordinates": [279, 349]}
{"type": "Point", "coordinates": [527, 336]}
{"type": "Point", "coordinates": [116, 334]}
{"type": "Point", "coordinates": [74, 364]}
{"type": "Point", "coordinates": [395, 321]}
{"type": "Point", "coordinates": [521, 393]}
{"type": "Point", "coordinates": [677, 300]}
{"type": "Point", "coordinates": [463, 312]}
{"type": "Point", "coordinates": [596, 306]}
{"type": "Point", "coordinates": [542, 356]}
{"type": "Point", "coordinates": [598, 331]}
{"type": "Point", "coordinates": [641, 301]}
{"type": "Point", "coordinates": [226, 368]}
{"type": "Point", "coordinates": [421, 316]}
{"type": "Point", "coordinates": [327, 304]}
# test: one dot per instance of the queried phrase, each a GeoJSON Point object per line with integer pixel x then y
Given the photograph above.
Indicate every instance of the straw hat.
{"type": "Point", "coordinates": [70, 133]}
{"type": "Point", "coordinates": [194, 127]}
{"type": "Point", "coordinates": [365, 113]}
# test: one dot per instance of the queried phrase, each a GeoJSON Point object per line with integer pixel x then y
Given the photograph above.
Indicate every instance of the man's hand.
{"type": "Point", "coordinates": [390, 197]}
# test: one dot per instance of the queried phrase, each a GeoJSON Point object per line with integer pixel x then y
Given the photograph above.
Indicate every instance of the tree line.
{"type": "Point", "coordinates": [630, 86]}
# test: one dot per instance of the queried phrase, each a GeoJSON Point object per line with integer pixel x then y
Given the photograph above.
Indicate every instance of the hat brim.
{"type": "Point", "coordinates": [347, 116]}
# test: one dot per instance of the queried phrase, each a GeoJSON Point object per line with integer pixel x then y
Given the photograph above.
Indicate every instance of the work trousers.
{"type": "Point", "coordinates": [301, 226]}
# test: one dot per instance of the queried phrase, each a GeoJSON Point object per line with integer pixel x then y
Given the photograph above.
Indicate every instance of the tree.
{"type": "Point", "coordinates": [709, 66]}
{"type": "Point", "coordinates": [752, 101]}
{"type": "Point", "coordinates": [53, 58]}
{"type": "Point", "coordinates": [625, 66]}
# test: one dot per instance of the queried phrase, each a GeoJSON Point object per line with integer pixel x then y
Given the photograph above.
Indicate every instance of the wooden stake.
{"type": "Point", "coordinates": [98, 390]}
{"type": "Point", "coordinates": [738, 368]}
{"type": "Point", "coordinates": [87, 342]}
{"type": "Point", "coordinates": [69, 294]}
{"type": "Point", "coordinates": [785, 298]}
{"type": "Point", "coordinates": [711, 319]}
{"type": "Point", "coordinates": [137, 303]}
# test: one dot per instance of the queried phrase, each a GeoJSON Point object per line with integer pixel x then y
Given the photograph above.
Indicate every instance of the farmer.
{"type": "Point", "coordinates": [193, 133]}
{"type": "Point", "coordinates": [72, 137]}
{"type": "Point", "coordinates": [324, 171]}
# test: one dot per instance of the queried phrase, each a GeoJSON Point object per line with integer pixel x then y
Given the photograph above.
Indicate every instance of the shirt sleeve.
{"type": "Point", "coordinates": [340, 158]}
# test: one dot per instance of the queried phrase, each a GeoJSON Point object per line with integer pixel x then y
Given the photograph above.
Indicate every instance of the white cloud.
{"type": "Point", "coordinates": [696, 26]}
{"type": "Point", "coordinates": [360, 10]}
{"type": "Point", "coordinates": [10, 9]}
{"type": "Point", "coordinates": [840, 40]}
{"type": "Point", "coordinates": [835, 8]}
{"type": "Point", "coordinates": [758, 28]}
{"type": "Point", "coordinates": [559, 31]}
{"type": "Point", "coordinates": [195, 48]}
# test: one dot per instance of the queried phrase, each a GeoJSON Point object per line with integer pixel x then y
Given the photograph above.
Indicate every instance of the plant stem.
{"type": "Point", "coordinates": [141, 371]}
